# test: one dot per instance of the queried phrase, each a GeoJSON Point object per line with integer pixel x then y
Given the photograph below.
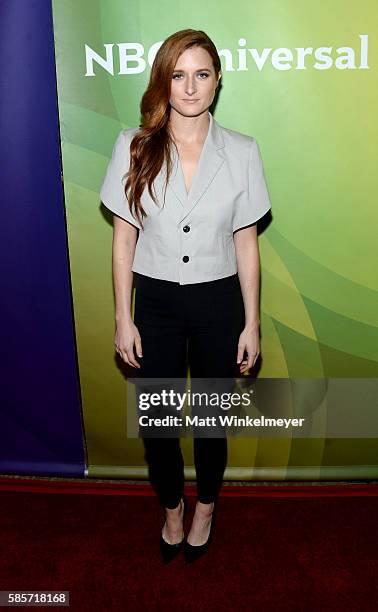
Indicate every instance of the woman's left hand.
{"type": "Point", "coordinates": [249, 342]}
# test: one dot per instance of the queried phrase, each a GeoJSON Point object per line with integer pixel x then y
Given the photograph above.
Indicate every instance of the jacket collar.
{"type": "Point", "coordinates": [211, 158]}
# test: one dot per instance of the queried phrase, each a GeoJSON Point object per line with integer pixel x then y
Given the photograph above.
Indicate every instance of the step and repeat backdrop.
{"type": "Point", "coordinates": [301, 78]}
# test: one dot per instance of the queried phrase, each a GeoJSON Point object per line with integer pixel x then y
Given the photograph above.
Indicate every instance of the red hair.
{"type": "Point", "coordinates": [150, 147]}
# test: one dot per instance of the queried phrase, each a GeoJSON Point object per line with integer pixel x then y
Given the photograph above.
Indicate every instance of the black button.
{"type": "Point", "coordinates": [186, 228]}
{"type": "Point", "coordinates": [185, 258]}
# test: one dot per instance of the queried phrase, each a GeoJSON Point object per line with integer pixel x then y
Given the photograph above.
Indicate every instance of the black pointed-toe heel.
{"type": "Point", "coordinates": [191, 552]}
{"type": "Point", "coordinates": [170, 551]}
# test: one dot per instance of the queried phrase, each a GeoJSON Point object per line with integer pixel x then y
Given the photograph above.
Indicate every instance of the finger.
{"type": "Point", "coordinates": [256, 356]}
{"type": "Point", "coordinates": [251, 361]}
{"type": "Point", "coordinates": [138, 347]}
{"type": "Point", "coordinates": [131, 358]}
{"type": "Point", "coordinates": [241, 348]}
{"type": "Point", "coordinates": [243, 365]}
{"type": "Point", "coordinates": [123, 355]}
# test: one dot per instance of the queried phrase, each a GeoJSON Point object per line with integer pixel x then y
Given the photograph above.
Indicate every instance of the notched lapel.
{"type": "Point", "coordinates": [174, 199]}
{"type": "Point", "coordinates": [211, 159]}
{"type": "Point", "coordinates": [176, 181]}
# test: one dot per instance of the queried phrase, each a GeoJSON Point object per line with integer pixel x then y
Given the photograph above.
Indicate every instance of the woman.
{"type": "Point", "coordinates": [184, 224]}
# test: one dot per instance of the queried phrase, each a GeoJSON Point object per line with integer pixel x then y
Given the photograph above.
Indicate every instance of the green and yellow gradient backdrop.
{"type": "Point", "coordinates": [317, 130]}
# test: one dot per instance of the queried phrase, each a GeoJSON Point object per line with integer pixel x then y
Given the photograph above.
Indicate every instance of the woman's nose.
{"type": "Point", "coordinates": [190, 86]}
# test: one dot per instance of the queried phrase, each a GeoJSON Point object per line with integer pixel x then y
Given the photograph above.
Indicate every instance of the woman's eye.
{"type": "Point", "coordinates": [200, 74]}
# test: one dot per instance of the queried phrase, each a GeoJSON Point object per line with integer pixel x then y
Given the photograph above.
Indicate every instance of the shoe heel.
{"type": "Point", "coordinates": [170, 551]}
{"type": "Point", "coordinates": [191, 552]}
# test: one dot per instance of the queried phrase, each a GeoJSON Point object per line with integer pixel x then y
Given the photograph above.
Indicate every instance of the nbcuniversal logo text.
{"type": "Point", "coordinates": [131, 59]}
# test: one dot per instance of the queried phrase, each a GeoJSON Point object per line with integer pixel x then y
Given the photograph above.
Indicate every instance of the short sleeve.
{"type": "Point", "coordinates": [257, 202]}
{"type": "Point", "coordinates": [112, 192]}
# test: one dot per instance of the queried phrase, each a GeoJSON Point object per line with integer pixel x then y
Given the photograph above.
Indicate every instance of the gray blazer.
{"type": "Point", "coordinates": [190, 238]}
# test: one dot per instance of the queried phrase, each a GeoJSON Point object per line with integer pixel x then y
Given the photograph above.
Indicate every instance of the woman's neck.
{"type": "Point", "coordinates": [189, 130]}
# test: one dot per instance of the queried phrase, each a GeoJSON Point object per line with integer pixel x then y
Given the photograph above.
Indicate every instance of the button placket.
{"type": "Point", "coordinates": [186, 229]}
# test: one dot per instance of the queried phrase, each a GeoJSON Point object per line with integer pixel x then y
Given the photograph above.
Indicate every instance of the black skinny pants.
{"type": "Point", "coordinates": [197, 324]}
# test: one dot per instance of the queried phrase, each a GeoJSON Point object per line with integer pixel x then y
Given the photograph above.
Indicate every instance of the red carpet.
{"type": "Point", "coordinates": [272, 552]}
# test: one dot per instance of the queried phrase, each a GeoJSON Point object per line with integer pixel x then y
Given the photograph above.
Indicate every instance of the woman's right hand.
{"type": "Point", "coordinates": [127, 335]}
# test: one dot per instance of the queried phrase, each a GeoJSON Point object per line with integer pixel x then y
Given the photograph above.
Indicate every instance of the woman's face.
{"type": "Point", "coordinates": [194, 82]}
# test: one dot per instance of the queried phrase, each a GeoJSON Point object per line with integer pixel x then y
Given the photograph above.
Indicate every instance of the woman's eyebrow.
{"type": "Point", "coordinates": [198, 70]}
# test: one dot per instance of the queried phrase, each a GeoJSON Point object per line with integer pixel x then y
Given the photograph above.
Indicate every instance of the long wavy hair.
{"type": "Point", "coordinates": [150, 148]}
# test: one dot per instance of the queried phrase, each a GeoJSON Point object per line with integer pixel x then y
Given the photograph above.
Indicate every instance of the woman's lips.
{"type": "Point", "coordinates": [191, 101]}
